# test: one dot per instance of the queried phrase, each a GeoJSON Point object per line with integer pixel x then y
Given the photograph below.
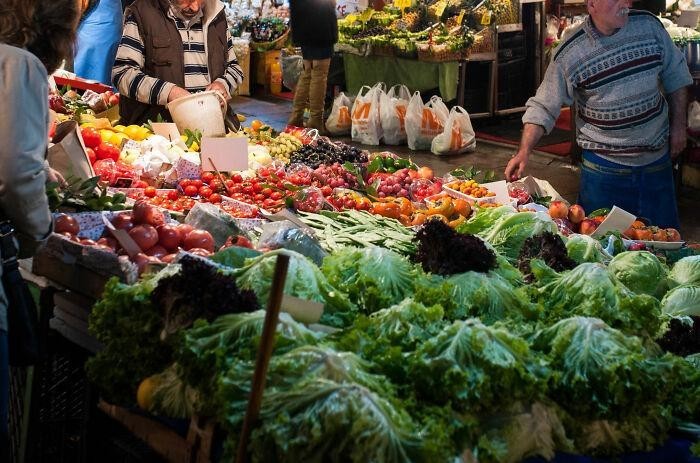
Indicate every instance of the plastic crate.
{"type": "Point", "coordinates": [50, 406]}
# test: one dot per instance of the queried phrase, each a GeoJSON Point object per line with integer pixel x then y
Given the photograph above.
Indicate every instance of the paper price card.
{"type": "Point", "coordinates": [486, 18]}
{"type": "Point", "coordinates": [403, 4]}
{"type": "Point", "coordinates": [440, 8]}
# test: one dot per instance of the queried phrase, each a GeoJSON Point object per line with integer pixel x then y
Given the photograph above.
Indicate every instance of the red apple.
{"type": "Point", "coordinates": [576, 214]}
{"type": "Point", "coordinates": [558, 210]}
{"type": "Point", "coordinates": [588, 226]}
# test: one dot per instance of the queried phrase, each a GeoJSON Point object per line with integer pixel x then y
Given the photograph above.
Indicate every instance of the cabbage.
{"type": "Point", "coordinates": [682, 300]}
{"type": "Point", "coordinates": [374, 278]}
{"type": "Point", "coordinates": [685, 272]}
{"type": "Point", "coordinates": [485, 219]}
{"type": "Point", "coordinates": [590, 290]}
{"type": "Point", "coordinates": [583, 248]}
{"type": "Point", "coordinates": [640, 271]}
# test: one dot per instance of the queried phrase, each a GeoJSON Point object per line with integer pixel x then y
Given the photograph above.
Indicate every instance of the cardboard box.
{"type": "Point", "coordinates": [262, 61]}
{"type": "Point", "coordinates": [83, 269]}
{"type": "Point", "coordinates": [244, 88]}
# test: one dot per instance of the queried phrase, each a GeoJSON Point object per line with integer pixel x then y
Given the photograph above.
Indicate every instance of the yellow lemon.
{"type": "Point", "coordinates": [144, 394]}
{"type": "Point", "coordinates": [133, 132]}
{"type": "Point", "coordinates": [119, 128]}
{"type": "Point", "coordinates": [117, 138]}
{"type": "Point", "coordinates": [143, 133]}
{"type": "Point", "coordinates": [87, 124]}
{"type": "Point", "coordinates": [106, 134]}
{"type": "Point", "coordinates": [183, 138]}
{"type": "Point", "coordinates": [194, 146]}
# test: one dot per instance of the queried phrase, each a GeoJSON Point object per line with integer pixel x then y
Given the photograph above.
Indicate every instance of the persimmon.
{"type": "Point", "coordinates": [659, 234]}
{"type": "Point", "coordinates": [643, 234]}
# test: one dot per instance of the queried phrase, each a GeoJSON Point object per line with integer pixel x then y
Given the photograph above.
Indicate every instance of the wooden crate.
{"type": "Point", "coordinates": [196, 447]}
{"type": "Point", "coordinates": [262, 60]}
{"type": "Point", "coordinates": [83, 269]}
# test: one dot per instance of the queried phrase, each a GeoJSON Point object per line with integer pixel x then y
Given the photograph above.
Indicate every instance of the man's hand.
{"type": "Point", "coordinates": [677, 141]}
{"type": "Point", "coordinates": [516, 166]}
{"type": "Point", "coordinates": [52, 175]}
{"type": "Point", "coordinates": [177, 92]}
{"type": "Point", "coordinates": [219, 87]}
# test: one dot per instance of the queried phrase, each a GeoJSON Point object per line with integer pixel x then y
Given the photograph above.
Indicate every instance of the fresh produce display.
{"type": "Point", "coordinates": [442, 327]}
{"type": "Point", "coordinates": [324, 151]}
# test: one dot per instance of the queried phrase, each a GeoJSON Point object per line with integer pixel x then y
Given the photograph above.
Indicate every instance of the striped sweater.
{"type": "Point", "coordinates": [617, 83]}
{"type": "Point", "coordinates": [128, 75]}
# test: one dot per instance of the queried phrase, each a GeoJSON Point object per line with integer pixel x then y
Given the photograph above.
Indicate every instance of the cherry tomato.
{"type": "Point", "coordinates": [91, 155]}
{"type": "Point", "coordinates": [207, 177]}
{"type": "Point", "coordinates": [173, 195]}
{"type": "Point", "coordinates": [91, 137]}
{"type": "Point", "coordinates": [191, 190]}
{"type": "Point", "coordinates": [106, 150]}
{"type": "Point", "coordinates": [149, 192]}
{"type": "Point", "coordinates": [276, 195]}
{"type": "Point", "coordinates": [237, 178]}
{"type": "Point", "coordinates": [205, 191]}
{"type": "Point", "coordinates": [215, 198]}
{"type": "Point", "coordinates": [196, 182]}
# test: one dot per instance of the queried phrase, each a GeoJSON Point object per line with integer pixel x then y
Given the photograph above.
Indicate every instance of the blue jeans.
{"type": "Point", "coordinates": [646, 191]}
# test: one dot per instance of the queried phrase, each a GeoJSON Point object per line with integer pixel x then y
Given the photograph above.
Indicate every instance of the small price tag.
{"type": "Point", "coordinates": [351, 18]}
{"type": "Point", "coordinates": [440, 8]}
{"type": "Point", "coordinates": [486, 18]}
{"type": "Point", "coordinates": [460, 17]}
{"type": "Point", "coordinates": [403, 4]}
{"type": "Point", "coordinates": [366, 15]}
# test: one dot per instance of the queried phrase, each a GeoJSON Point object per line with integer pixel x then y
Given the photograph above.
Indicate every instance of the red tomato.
{"type": "Point", "coordinates": [276, 195]}
{"type": "Point", "coordinates": [184, 229]}
{"type": "Point", "coordinates": [173, 195]}
{"type": "Point", "coordinates": [267, 191]}
{"type": "Point", "coordinates": [106, 150]}
{"type": "Point", "coordinates": [149, 192]}
{"type": "Point", "coordinates": [215, 198]}
{"type": "Point", "coordinates": [205, 191]}
{"type": "Point", "coordinates": [64, 223]}
{"type": "Point", "coordinates": [237, 178]}
{"type": "Point", "coordinates": [196, 182]}
{"type": "Point", "coordinates": [207, 177]}
{"type": "Point", "coordinates": [199, 239]}
{"type": "Point", "coordinates": [185, 183]}
{"type": "Point", "coordinates": [146, 236]}
{"type": "Point", "coordinates": [91, 137]}
{"type": "Point", "coordinates": [191, 190]}
{"type": "Point", "coordinates": [91, 155]}
{"type": "Point", "coordinates": [257, 188]}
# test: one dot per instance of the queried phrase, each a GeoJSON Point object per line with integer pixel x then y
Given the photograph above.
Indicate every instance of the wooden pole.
{"type": "Point", "coordinates": [263, 358]}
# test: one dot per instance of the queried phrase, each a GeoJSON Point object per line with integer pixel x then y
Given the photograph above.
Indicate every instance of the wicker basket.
{"type": "Point", "coordinates": [439, 53]}
{"type": "Point", "coordinates": [483, 42]}
{"type": "Point", "coordinates": [383, 50]}
{"type": "Point", "coordinates": [276, 44]}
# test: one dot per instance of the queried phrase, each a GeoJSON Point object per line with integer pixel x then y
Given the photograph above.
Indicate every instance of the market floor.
{"type": "Point", "coordinates": [559, 171]}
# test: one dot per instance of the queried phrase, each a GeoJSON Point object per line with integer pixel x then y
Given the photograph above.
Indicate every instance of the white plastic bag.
{"type": "Point", "coordinates": [366, 122]}
{"type": "Point", "coordinates": [424, 121]}
{"type": "Point", "coordinates": [339, 121]}
{"type": "Point", "coordinates": [694, 117]}
{"type": "Point", "coordinates": [458, 136]}
{"type": "Point", "coordinates": [392, 108]}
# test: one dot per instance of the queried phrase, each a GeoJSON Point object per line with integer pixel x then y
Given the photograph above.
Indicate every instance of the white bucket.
{"type": "Point", "coordinates": [201, 111]}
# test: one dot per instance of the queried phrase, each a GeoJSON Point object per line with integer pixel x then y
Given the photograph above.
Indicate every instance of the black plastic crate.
{"type": "Point", "coordinates": [513, 84]}
{"type": "Point", "coordinates": [511, 46]}
{"type": "Point", "coordinates": [477, 87]}
{"type": "Point", "coordinates": [49, 421]}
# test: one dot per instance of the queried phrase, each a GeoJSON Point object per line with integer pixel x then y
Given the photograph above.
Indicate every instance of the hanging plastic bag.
{"type": "Point", "coordinates": [424, 121]}
{"type": "Point", "coordinates": [392, 108]}
{"type": "Point", "coordinates": [458, 136]}
{"type": "Point", "coordinates": [292, 67]}
{"type": "Point", "coordinates": [694, 118]}
{"type": "Point", "coordinates": [366, 122]}
{"type": "Point", "coordinates": [339, 121]}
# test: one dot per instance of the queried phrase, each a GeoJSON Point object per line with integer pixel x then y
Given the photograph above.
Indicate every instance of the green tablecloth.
{"type": "Point", "coordinates": [416, 75]}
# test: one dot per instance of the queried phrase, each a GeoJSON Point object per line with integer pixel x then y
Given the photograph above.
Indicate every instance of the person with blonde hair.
{"type": "Point", "coordinates": [35, 37]}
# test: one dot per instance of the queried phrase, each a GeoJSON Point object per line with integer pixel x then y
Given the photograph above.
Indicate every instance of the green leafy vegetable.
{"type": "Point", "coordinates": [373, 278]}
{"type": "Point", "coordinates": [477, 368]}
{"type": "Point", "coordinates": [304, 280]}
{"type": "Point", "coordinates": [320, 420]}
{"type": "Point", "coordinates": [685, 272]}
{"type": "Point", "coordinates": [682, 300]}
{"type": "Point", "coordinates": [172, 396]}
{"type": "Point", "coordinates": [583, 248]}
{"type": "Point", "coordinates": [590, 290]}
{"type": "Point", "coordinates": [640, 271]}
{"type": "Point", "coordinates": [601, 373]}
{"type": "Point", "coordinates": [548, 247]}
{"type": "Point", "coordinates": [128, 325]}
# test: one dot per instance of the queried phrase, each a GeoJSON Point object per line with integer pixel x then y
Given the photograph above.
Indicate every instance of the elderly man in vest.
{"type": "Point", "coordinates": [170, 49]}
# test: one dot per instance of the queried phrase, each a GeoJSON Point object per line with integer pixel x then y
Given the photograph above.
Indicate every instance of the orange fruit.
{"type": "Point", "coordinates": [255, 124]}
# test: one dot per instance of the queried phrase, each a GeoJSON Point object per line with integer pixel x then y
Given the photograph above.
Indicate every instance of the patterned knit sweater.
{"type": "Point", "coordinates": [617, 82]}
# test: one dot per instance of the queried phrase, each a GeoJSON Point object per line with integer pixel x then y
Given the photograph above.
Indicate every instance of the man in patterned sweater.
{"type": "Point", "coordinates": [627, 79]}
{"type": "Point", "coordinates": [169, 49]}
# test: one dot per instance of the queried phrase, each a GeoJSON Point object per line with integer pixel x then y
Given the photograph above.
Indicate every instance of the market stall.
{"type": "Point", "coordinates": [424, 317]}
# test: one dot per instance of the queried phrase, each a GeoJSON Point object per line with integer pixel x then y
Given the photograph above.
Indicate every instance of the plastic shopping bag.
{"type": "Point", "coordinates": [694, 117]}
{"type": "Point", "coordinates": [339, 121]}
{"type": "Point", "coordinates": [458, 136]}
{"type": "Point", "coordinates": [424, 121]}
{"type": "Point", "coordinates": [366, 122]}
{"type": "Point", "coordinates": [392, 108]}
{"type": "Point", "coordinates": [292, 66]}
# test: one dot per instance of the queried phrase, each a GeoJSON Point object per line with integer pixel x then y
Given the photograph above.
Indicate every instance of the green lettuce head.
{"type": "Point", "coordinates": [640, 271]}
{"type": "Point", "coordinates": [685, 272]}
